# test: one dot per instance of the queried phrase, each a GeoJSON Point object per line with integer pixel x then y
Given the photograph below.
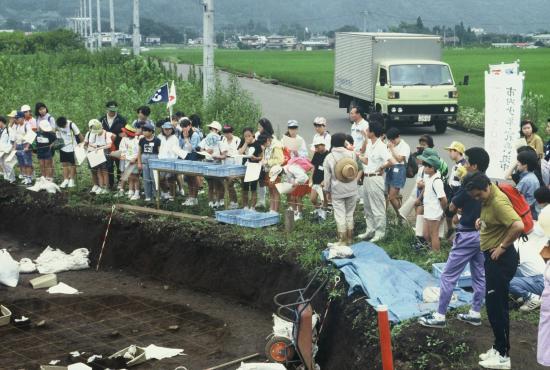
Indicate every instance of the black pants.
{"type": "Point", "coordinates": [111, 163]}
{"type": "Point", "coordinates": [497, 284]}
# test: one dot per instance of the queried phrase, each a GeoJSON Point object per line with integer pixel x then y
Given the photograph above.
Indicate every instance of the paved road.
{"type": "Point", "coordinates": [280, 104]}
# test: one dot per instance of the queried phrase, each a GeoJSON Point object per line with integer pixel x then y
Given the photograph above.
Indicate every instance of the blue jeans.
{"type": "Point", "coordinates": [148, 176]}
{"type": "Point", "coordinates": [396, 176]}
{"type": "Point", "coordinates": [522, 286]}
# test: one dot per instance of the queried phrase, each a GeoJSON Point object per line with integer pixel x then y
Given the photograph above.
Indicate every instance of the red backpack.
{"type": "Point", "coordinates": [520, 206]}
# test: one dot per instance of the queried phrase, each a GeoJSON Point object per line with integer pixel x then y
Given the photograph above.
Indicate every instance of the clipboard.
{"type": "Point", "coordinates": [96, 157]}
{"type": "Point", "coordinates": [182, 154]}
{"type": "Point", "coordinates": [253, 171]}
{"type": "Point", "coordinates": [79, 154]}
{"type": "Point", "coordinates": [29, 137]}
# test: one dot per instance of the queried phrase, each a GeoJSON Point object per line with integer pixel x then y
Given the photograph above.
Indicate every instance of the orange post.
{"type": "Point", "coordinates": [385, 337]}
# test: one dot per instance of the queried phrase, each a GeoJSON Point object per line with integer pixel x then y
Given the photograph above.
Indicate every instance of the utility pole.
{"type": "Point", "coordinates": [98, 24]}
{"type": "Point", "coordinates": [208, 48]}
{"type": "Point", "coordinates": [136, 36]}
{"type": "Point", "coordinates": [364, 13]}
{"type": "Point", "coordinates": [112, 22]}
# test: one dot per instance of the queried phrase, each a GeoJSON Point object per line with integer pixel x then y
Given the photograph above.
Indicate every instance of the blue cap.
{"type": "Point", "coordinates": [20, 115]}
{"type": "Point", "coordinates": [148, 127]}
{"type": "Point", "coordinates": [167, 125]}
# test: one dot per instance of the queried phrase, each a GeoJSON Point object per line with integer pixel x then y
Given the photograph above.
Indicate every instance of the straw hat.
{"type": "Point", "coordinates": [346, 170]}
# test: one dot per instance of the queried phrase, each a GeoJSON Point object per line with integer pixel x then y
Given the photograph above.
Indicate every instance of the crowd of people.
{"type": "Point", "coordinates": [366, 166]}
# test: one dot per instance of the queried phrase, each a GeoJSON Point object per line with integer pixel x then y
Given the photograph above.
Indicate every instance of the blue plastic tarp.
{"type": "Point", "coordinates": [395, 283]}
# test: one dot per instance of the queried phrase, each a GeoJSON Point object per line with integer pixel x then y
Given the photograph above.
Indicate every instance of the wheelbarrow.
{"type": "Point", "coordinates": [294, 340]}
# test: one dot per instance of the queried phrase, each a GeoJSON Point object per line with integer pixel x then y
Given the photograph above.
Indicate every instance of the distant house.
{"type": "Point", "coordinates": [543, 38]}
{"type": "Point", "coordinates": [254, 42]}
{"type": "Point", "coordinates": [281, 42]}
{"type": "Point", "coordinates": [317, 42]}
{"type": "Point", "coordinates": [451, 40]}
{"type": "Point", "coordinates": [153, 40]}
{"type": "Point", "coordinates": [502, 44]}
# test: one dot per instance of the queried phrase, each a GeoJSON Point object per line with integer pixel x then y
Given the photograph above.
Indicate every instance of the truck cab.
{"type": "Point", "coordinates": [399, 75]}
{"type": "Point", "coordinates": [410, 92]}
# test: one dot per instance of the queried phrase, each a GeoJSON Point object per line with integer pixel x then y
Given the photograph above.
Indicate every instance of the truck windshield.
{"type": "Point", "coordinates": [420, 74]}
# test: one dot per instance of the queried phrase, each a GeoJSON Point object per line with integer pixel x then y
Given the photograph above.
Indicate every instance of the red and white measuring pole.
{"type": "Point", "coordinates": [385, 337]}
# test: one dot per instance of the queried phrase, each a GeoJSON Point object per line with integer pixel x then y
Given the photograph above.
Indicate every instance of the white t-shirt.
{"type": "Point", "coordinates": [356, 129]}
{"type": "Point", "coordinates": [48, 118]}
{"type": "Point", "coordinates": [168, 147]}
{"type": "Point", "coordinates": [377, 154]}
{"type": "Point", "coordinates": [404, 150]}
{"type": "Point", "coordinates": [433, 191]}
{"type": "Point", "coordinates": [295, 144]}
{"type": "Point", "coordinates": [326, 138]}
{"type": "Point", "coordinates": [530, 260]}
{"type": "Point", "coordinates": [6, 140]}
{"type": "Point", "coordinates": [232, 151]}
{"type": "Point", "coordinates": [67, 134]}
{"type": "Point", "coordinates": [94, 141]}
{"type": "Point", "coordinates": [129, 148]}
{"type": "Point", "coordinates": [19, 132]}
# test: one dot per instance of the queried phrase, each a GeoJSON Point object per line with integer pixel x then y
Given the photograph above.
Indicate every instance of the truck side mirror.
{"type": "Point", "coordinates": [466, 80]}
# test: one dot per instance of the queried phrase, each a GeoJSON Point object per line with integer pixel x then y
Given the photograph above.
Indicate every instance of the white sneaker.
{"type": "Point", "coordinates": [182, 192]}
{"type": "Point", "coordinates": [64, 184]}
{"type": "Point", "coordinates": [164, 195]}
{"type": "Point", "coordinates": [147, 199]}
{"type": "Point", "coordinates": [103, 191]}
{"type": "Point", "coordinates": [120, 193]}
{"type": "Point", "coordinates": [487, 355]}
{"type": "Point", "coordinates": [95, 189]}
{"type": "Point", "coordinates": [377, 238]}
{"type": "Point", "coordinates": [496, 362]}
{"type": "Point", "coordinates": [322, 214]}
{"type": "Point", "coordinates": [211, 204]}
{"type": "Point", "coordinates": [189, 202]}
{"type": "Point", "coordinates": [71, 183]}
{"type": "Point", "coordinates": [531, 304]}
{"type": "Point", "coordinates": [366, 235]}
{"type": "Point", "coordinates": [272, 212]}
{"type": "Point", "coordinates": [297, 216]}
{"type": "Point", "coordinates": [246, 209]}
{"type": "Point", "coordinates": [135, 196]}
{"type": "Point", "coordinates": [131, 193]}
{"type": "Point", "coordinates": [233, 205]}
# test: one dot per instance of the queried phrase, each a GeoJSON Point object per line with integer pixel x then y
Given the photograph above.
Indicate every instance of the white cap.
{"type": "Point", "coordinates": [45, 126]}
{"type": "Point", "coordinates": [320, 121]}
{"type": "Point", "coordinates": [292, 123]}
{"type": "Point", "coordinates": [216, 125]}
{"type": "Point", "coordinates": [25, 108]}
{"type": "Point", "coordinates": [318, 140]}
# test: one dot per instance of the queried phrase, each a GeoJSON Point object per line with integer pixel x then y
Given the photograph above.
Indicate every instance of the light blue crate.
{"type": "Point", "coordinates": [184, 166]}
{"type": "Point", "coordinates": [223, 170]}
{"type": "Point", "coordinates": [258, 219]}
{"type": "Point", "coordinates": [465, 279]}
{"type": "Point", "coordinates": [230, 216]}
{"type": "Point", "coordinates": [162, 164]}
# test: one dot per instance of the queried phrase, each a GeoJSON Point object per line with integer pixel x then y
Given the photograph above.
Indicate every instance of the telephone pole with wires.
{"type": "Point", "coordinates": [208, 48]}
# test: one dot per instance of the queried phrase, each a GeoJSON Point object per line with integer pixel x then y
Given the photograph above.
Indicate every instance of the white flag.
{"type": "Point", "coordinates": [171, 96]}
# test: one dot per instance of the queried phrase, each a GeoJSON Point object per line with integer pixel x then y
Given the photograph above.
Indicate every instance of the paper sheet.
{"type": "Point", "coordinates": [11, 156]}
{"type": "Point", "coordinates": [252, 171]}
{"type": "Point", "coordinates": [206, 155]}
{"type": "Point", "coordinates": [284, 187]}
{"type": "Point", "coordinates": [180, 152]}
{"type": "Point", "coordinates": [62, 288]}
{"type": "Point", "coordinates": [79, 154]}
{"type": "Point", "coordinates": [29, 137]}
{"type": "Point", "coordinates": [154, 352]}
{"type": "Point", "coordinates": [96, 157]}
{"type": "Point", "coordinates": [128, 171]}
{"type": "Point", "coordinates": [157, 179]}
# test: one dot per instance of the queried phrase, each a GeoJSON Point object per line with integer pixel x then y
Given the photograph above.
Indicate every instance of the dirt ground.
{"type": "Point", "coordinates": [116, 310]}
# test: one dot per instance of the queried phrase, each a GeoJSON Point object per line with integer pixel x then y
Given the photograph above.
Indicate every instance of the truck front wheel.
{"type": "Point", "coordinates": [440, 127]}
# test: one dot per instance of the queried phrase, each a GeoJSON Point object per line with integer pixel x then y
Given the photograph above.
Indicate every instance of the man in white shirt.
{"type": "Point", "coordinates": [528, 282]}
{"type": "Point", "coordinates": [375, 160]}
{"type": "Point", "coordinates": [396, 175]}
{"type": "Point", "coordinates": [320, 124]}
{"type": "Point", "coordinates": [358, 127]}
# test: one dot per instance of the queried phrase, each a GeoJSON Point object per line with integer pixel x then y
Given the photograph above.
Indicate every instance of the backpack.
{"type": "Point", "coordinates": [520, 205]}
{"type": "Point", "coordinates": [412, 167]}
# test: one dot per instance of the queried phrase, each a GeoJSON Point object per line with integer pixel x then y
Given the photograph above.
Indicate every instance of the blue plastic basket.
{"type": "Point", "coordinates": [258, 219]}
{"type": "Point", "coordinates": [222, 170]}
{"type": "Point", "coordinates": [184, 166]}
{"type": "Point", "coordinates": [230, 216]}
{"type": "Point", "coordinates": [465, 279]}
{"type": "Point", "coordinates": [162, 164]}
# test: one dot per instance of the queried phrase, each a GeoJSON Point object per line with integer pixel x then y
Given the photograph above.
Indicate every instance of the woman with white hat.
{"type": "Point", "coordinates": [212, 145]}
{"type": "Point", "coordinates": [45, 138]}
{"type": "Point", "coordinates": [97, 139]}
{"type": "Point", "coordinates": [340, 168]}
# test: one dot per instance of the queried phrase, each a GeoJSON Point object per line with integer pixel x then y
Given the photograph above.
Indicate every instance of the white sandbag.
{"type": "Point", "coordinates": [62, 288]}
{"type": "Point", "coordinates": [340, 251]}
{"type": "Point", "coordinates": [261, 366]}
{"type": "Point", "coordinates": [52, 261]}
{"type": "Point", "coordinates": [43, 184]}
{"type": "Point", "coordinates": [26, 266]}
{"type": "Point", "coordinates": [9, 269]}
{"type": "Point", "coordinates": [282, 328]}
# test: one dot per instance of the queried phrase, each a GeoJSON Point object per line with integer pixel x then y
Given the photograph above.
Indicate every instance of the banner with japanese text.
{"type": "Point", "coordinates": [503, 99]}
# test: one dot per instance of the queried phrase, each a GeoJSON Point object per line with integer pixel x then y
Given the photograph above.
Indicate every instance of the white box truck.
{"type": "Point", "coordinates": [399, 75]}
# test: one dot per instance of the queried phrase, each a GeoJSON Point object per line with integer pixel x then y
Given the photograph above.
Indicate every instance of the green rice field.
{"type": "Point", "coordinates": [314, 69]}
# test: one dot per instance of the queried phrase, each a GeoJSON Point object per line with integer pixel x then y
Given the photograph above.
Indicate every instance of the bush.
{"type": "Point", "coordinates": [471, 119]}
{"type": "Point", "coordinates": [54, 41]}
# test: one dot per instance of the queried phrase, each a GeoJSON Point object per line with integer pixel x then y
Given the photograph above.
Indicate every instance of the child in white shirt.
{"type": "Point", "coordinates": [230, 143]}
{"type": "Point", "coordinates": [129, 149]}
